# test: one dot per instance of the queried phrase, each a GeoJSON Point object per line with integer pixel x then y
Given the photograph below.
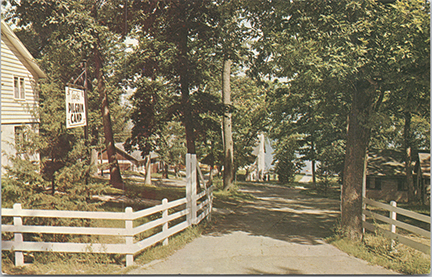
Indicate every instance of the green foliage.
{"type": "Point", "coordinates": [287, 164]}
{"type": "Point", "coordinates": [249, 117]}
{"type": "Point", "coordinates": [175, 39]}
{"type": "Point", "coordinates": [331, 159]}
{"type": "Point", "coordinates": [21, 181]}
{"type": "Point", "coordinates": [171, 146]}
{"type": "Point", "coordinates": [375, 250]}
{"type": "Point", "coordinates": [63, 35]}
{"type": "Point", "coordinates": [24, 184]}
{"type": "Point", "coordinates": [328, 52]}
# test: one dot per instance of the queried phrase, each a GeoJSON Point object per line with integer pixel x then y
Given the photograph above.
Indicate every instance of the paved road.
{"type": "Point", "coordinates": [280, 232]}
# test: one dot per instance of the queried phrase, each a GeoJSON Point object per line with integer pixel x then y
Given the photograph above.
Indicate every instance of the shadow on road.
{"type": "Point", "coordinates": [278, 212]}
{"type": "Point", "coordinates": [284, 271]}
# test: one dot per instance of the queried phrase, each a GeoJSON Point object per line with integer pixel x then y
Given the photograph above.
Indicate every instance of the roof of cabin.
{"type": "Point", "coordinates": [391, 162]}
{"type": "Point", "coordinates": [29, 61]}
{"type": "Point", "coordinates": [135, 154]}
{"type": "Point", "coordinates": [385, 163]}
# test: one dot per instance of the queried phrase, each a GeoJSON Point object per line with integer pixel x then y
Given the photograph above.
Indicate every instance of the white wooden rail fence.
{"type": "Point", "coordinates": [196, 208]}
{"type": "Point", "coordinates": [391, 219]}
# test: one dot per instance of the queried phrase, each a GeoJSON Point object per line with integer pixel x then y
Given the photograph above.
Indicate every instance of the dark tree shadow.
{"type": "Point", "coordinates": [278, 212]}
{"type": "Point", "coordinates": [285, 271]}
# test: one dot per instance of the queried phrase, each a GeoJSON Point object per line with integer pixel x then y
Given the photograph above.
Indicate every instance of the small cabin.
{"type": "Point", "coordinates": [19, 95]}
{"type": "Point", "coordinates": [128, 161]}
{"type": "Point", "coordinates": [386, 175]}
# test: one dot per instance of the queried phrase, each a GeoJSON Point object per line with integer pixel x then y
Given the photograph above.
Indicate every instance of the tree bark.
{"type": "Point", "coordinates": [228, 176]}
{"type": "Point", "coordinates": [165, 175]}
{"type": "Point", "coordinates": [313, 174]}
{"type": "Point", "coordinates": [148, 171]}
{"type": "Point", "coordinates": [412, 192]}
{"type": "Point", "coordinates": [115, 176]}
{"type": "Point", "coordinates": [185, 95]}
{"type": "Point", "coordinates": [357, 142]}
{"type": "Point", "coordinates": [313, 162]}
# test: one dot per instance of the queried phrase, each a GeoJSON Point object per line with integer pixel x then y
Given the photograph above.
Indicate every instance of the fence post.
{"type": "Point", "coordinates": [364, 178]}
{"type": "Point", "coordinates": [393, 227]}
{"type": "Point", "coordinates": [194, 188]}
{"type": "Point", "coordinates": [191, 188]}
{"type": "Point", "coordinates": [18, 237]}
{"type": "Point", "coordinates": [164, 216]}
{"type": "Point", "coordinates": [210, 204]}
{"type": "Point", "coordinates": [129, 237]}
{"type": "Point", "coordinates": [188, 189]}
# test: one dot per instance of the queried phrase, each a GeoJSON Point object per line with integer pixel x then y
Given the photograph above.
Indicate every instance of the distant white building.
{"type": "Point", "coordinates": [19, 75]}
{"type": "Point", "coordinates": [262, 165]}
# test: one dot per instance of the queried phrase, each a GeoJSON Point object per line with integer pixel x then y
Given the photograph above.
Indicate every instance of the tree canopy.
{"type": "Point", "coordinates": [326, 81]}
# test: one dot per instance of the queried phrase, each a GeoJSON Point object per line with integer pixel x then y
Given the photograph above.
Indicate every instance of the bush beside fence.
{"type": "Point", "coordinates": [194, 208]}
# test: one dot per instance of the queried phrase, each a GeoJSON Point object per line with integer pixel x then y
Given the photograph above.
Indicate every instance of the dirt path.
{"type": "Point", "coordinates": [280, 232]}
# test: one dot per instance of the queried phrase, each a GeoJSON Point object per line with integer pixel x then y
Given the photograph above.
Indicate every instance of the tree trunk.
{"type": "Point", "coordinates": [313, 160]}
{"type": "Point", "coordinates": [148, 171]}
{"type": "Point", "coordinates": [313, 174]}
{"type": "Point", "coordinates": [115, 176]}
{"type": "Point", "coordinates": [412, 192]}
{"type": "Point", "coordinates": [210, 176]}
{"type": "Point", "coordinates": [356, 147]}
{"type": "Point", "coordinates": [228, 141]}
{"type": "Point", "coordinates": [93, 162]}
{"type": "Point", "coordinates": [247, 178]}
{"type": "Point", "coordinates": [176, 171]}
{"type": "Point", "coordinates": [185, 95]}
{"type": "Point", "coordinates": [165, 171]}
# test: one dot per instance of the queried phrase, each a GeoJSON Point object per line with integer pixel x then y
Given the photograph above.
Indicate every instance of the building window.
{"type": "Point", "coordinates": [19, 84]}
{"type": "Point", "coordinates": [373, 183]}
{"type": "Point", "coordinates": [402, 185]}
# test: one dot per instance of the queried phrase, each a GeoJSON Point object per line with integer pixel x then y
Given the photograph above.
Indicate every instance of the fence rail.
{"type": "Point", "coordinates": [391, 219]}
{"type": "Point", "coordinates": [195, 207]}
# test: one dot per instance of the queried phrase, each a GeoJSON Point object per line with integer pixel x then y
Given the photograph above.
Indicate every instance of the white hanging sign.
{"type": "Point", "coordinates": [75, 108]}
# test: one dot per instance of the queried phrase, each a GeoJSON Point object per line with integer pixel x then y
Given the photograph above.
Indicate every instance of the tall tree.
{"type": "Point", "coordinates": [184, 30]}
{"type": "Point", "coordinates": [234, 34]}
{"type": "Point", "coordinates": [346, 46]}
{"type": "Point", "coordinates": [81, 26]}
{"type": "Point", "coordinates": [115, 174]}
{"type": "Point", "coordinates": [411, 25]}
{"type": "Point", "coordinates": [228, 176]}
{"type": "Point", "coordinates": [231, 35]}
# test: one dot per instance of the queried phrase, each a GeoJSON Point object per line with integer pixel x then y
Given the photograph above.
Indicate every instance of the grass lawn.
{"type": "Point", "coordinates": [376, 250]}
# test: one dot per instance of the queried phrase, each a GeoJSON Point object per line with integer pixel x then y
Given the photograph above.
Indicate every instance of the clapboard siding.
{"type": "Point", "coordinates": [16, 61]}
{"type": "Point", "coordinates": [15, 111]}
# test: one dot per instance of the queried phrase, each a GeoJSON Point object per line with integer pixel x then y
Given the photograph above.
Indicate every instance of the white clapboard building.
{"type": "Point", "coordinates": [19, 74]}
